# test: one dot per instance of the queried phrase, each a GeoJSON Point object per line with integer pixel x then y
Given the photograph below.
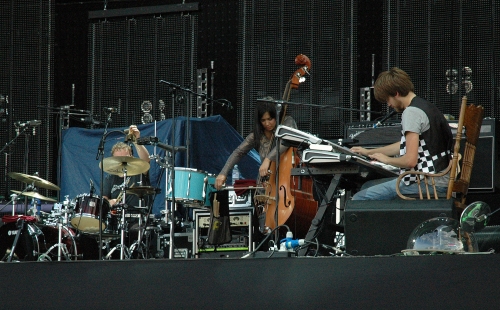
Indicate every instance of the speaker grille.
{"type": "Point", "coordinates": [272, 34]}
{"type": "Point", "coordinates": [428, 38]}
{"type": "Point", "coordinates": [26, 46]}
{"type": "Point", "coordinates": [128, 57]}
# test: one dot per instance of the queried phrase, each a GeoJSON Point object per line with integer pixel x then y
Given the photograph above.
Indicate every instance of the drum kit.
{"type": "Point", "coordinates": [70, 230]}
{"type": "Point", "coordinates": [81, 227]}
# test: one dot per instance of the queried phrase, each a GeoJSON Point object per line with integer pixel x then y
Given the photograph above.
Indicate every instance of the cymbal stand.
{"type": "Point", "coordinates": [100, 157]}
{"type": "Point", "coordinates": [61, 247]}
{"type": "Point", "coordinates": [13, 199]}
{"type": "Point", "coordinates": [138, 243]}
{"type": "Point", "coordinates": [122, 233]}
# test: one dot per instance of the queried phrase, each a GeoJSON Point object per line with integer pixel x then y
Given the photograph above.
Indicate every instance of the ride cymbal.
{"type": "Point", "coordinates": [116, 164]}
{"type": "Point", "coordinates": [33, 179]}
{"type": "Point", "coordinates": [34, 195]}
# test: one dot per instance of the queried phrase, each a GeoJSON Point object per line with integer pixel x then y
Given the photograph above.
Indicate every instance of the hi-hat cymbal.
{"type": "Point", "coordinates": [141, 191]}
{"type": "Point", "coordinates": [116, 164]}
{"type": "Point", "coordinates": [34, 195]}
{"type": "Point", "coordinates": [33, 179]}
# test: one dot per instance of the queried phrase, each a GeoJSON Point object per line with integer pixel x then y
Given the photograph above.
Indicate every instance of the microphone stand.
{"type": "Point", "coordinates": [100, 156]}
{"type": "Point", "coordinates": [6, 154]}
{"type": "Point", "coordinates": [316, 106]}
{"type": "Point", "coordinates": [64, 113]}
{"type": "Point", "coordinates": [189, 92]}
{"type": "Point", "coordinates": [277, 177]}
{"type": "Point", "coordinates": [173, 205]}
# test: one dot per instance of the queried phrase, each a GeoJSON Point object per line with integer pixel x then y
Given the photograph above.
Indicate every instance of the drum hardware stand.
{"type": "Point", "coordinates": [20, 226]}
{"type": "Point", "coordinates": [142, 231]}
{"type": "Point", "coordinates": [169, 213]}
{"type": "Point", "coordinates": [61, 247]}
{"type": "Point", "coordinates": [138, 243]}
{"type": "Point", "coordinates": [124, 251]}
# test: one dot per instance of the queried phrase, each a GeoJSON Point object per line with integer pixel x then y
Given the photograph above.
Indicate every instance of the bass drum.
{"type": "Point", "coordinates": [27, 247]}
{"type": "Point", "coordinates": [50, 241]}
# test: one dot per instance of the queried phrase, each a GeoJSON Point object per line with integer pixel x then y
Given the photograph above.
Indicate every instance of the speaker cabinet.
{"type": "Point", "coordinates": [383, 227]}
{"type": "Point", "coordinates": [486, 158]}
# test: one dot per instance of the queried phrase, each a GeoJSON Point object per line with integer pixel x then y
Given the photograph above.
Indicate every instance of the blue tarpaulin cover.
{"type": "Point", "coordinates": [211, 141]}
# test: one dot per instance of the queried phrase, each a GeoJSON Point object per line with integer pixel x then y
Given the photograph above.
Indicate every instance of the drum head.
{"type": "Point", "coordinates": [26, 248]}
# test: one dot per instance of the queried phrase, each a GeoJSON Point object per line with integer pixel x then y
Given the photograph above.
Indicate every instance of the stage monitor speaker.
{"type": "Point", "coordinates": [382, 227]}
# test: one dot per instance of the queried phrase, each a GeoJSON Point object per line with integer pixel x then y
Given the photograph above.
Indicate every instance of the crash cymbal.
{"type": "Point", "coordinates": [33, 179]}
{"type": "Point", "coordinates": [141, 191]}
{"type": "Point", "coordinates": [34, 195]}
{"type": "Point", "coordinates": [116, 164]}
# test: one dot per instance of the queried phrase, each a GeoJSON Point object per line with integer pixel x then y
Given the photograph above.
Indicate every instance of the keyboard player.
{"type": "Point", "coordinates": [426, 139]}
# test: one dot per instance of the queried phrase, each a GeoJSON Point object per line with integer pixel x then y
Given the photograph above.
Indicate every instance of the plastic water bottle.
{"type": "Point", "coordinates": [236, 174]}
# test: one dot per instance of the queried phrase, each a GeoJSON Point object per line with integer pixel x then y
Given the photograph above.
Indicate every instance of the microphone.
{"type": "Point", "coordinates": [170, 84]}
{"type": "Point", "coordinates": [32, 123]}
{"type": "Point", "coordinates": [226, 103]}
{"type": "Point", "coordinates": [92, 188]}
{"type": "Point", "coordinates": [110, 110]}
{"type": "Point", "coordinates": [385, 118]}
{"type": "Point", "coordinates": [72, 94]}
{"type": "Point", "coordinates": [89, 120]}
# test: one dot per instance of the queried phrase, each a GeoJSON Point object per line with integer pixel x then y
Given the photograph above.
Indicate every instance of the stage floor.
{"type": "Point", "coordinates": [378, 282]}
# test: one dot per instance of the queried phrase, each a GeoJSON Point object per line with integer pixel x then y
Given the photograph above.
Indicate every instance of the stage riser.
{"type": "Point", "coordinates": [292, 283]}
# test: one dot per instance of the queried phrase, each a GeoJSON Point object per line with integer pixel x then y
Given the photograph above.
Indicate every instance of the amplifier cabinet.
{"type": "Point", "coordinates": [367, 136]}
{"type": "Point", "coordinates": [486, 158]}
{"type": "Point", "coordinates": [241, 230]}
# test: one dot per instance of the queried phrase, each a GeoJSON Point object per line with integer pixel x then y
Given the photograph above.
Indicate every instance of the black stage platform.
{"type": "Point", "coordinates": [411, 282]}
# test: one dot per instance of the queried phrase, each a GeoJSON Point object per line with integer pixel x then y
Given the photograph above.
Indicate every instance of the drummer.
{"type": "Point", "coordinates": [113, 184]}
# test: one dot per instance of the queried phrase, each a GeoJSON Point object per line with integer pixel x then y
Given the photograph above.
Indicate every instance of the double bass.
{"type": "Point", "coordinates": [288, 193]}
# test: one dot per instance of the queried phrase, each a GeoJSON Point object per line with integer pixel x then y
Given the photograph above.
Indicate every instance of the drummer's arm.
{"type": "Point", "coordinates": [112, 202]}
{"type": "Point", "coordinates": [142, 151]}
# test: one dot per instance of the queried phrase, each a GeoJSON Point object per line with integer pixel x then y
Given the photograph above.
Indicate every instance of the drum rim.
{"type": "Point", "coordinates": [189, 169]}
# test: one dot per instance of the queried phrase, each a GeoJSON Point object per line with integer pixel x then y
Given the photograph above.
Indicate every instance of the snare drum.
{"type": "Point", "coordinates": [87, 210]}
{"type": "Point", "coordinates": [27, 247]}
{"type": "Point", "coordinates": [189, 187]}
